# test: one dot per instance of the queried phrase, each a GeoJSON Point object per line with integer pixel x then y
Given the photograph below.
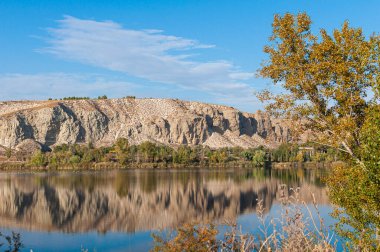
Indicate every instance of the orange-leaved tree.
{"type": "Point", "coordinates": [327, 80]}
{"type": "Point", "coordinates": [330, 85]}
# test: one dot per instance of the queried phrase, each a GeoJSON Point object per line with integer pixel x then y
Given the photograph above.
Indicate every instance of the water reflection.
{"type": "Point", "coordinates": [142, 200]}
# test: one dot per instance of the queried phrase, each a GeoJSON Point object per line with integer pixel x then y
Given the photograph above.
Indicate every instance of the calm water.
{"type": "Point", "coordinates": [118, 210]}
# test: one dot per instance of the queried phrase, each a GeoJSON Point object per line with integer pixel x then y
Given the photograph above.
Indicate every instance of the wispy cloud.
{"type": "Point", "coordinates": [147, 54]}
{"type": "Point", "coordinates": [57, 85]}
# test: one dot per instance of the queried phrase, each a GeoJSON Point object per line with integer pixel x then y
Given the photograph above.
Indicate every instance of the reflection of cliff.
{"type": "Point", "coordinates": [132, 201]}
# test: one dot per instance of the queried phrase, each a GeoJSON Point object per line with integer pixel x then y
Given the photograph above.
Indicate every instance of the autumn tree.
{"type": "Point", "coordinates": [330, 85]}
{"type": "Point", "coordinates": [326, 79]}
{"type": "Point", "coordinates": [356, 189]}
{"type": "Point", "coordinates": [121, 148]}
{"type": "Point", "coordinates": [189, 237]}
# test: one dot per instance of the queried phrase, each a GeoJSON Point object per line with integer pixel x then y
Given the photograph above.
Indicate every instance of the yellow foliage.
{"type": "Point", "coordinates": [326, 78]}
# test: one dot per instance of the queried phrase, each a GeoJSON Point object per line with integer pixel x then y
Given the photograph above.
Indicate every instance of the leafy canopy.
{"type": "Point", "coordinates": [327, 78]}
{"type": "Point", "coordinates": [357, 189]}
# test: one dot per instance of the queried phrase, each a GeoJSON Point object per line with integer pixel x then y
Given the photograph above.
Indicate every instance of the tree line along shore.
{"type": "Point", "coordinates": [151, 155]}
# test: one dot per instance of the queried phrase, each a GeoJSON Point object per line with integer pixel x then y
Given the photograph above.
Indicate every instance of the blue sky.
{"type": "Point", "coordinates": [204, 51]}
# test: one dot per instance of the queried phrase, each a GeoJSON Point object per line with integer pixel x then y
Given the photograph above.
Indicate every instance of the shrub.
{"type": "Point", "coordinates": [190, 237]}
{"type": "Point", "coordinates": [258, 158]}
{"type": "Point", "coordinates": [74, 159]}
{"type": "Point", "coordinates": [88, 157]}
{"type": "Point", "coordinates": [13, 241]}
{"type": "Point", "coordinates": [38, 159]}
{"type": "Point", "coordinates": [248, 155]}
{"type": "Point", "coordinates": [293, 231]}
{"type": "Point", "coordinates": [219, 156]}
{"type": "Point", "coordinates": [184, 155]}
{"type": "Point", "coordinates": [147, 151]}
{"type": "Point", "coordinates": [121, 145]}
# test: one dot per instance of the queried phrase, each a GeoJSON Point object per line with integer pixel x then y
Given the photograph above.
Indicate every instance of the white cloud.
{"type": "Point", "coordinates": [147, 54]}
{"type": "Point", "coordinates": [58, 85]}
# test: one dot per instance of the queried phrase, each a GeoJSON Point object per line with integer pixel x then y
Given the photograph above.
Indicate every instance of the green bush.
{"type": "Point", "coordinates": [248, 155]}
{"type": "Point", "coordinates": [258, 158]}
{"type": "Point", "coordinates": [38, 159]}
{"type": "Point", "coordinates": [74, 159]}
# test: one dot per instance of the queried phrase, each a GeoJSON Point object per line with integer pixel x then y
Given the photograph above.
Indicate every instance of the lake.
{"type": "Point", "coordinates": [118, 210]}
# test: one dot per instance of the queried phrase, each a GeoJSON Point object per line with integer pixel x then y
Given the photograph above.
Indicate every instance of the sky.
{"type": "Point", "coordinates": [197, 50]}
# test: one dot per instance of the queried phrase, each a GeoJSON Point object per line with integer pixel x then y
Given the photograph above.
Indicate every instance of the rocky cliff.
{"type": "Point", "coordinates": [166, 121]}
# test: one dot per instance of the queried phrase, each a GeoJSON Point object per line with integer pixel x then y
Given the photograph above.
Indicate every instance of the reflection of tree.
{"type": "Point", "coordinates": [139, 200]}
{"type": "Point", "coordinates": [299, 176]}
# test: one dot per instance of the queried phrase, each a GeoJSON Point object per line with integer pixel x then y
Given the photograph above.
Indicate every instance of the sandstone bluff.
{"type": "Point", "coordinates": [166, 121]}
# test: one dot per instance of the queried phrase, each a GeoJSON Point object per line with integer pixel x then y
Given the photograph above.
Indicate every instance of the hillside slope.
{"type": "Point", "coordinates": [167, 121]}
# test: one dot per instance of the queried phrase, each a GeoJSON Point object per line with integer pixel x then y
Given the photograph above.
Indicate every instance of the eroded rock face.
{"type": "Point", "coordinates": [166, 121]}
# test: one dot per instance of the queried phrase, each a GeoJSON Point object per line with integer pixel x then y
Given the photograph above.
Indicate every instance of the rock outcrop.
{"type": "Point", "coordinates": [166, 121]}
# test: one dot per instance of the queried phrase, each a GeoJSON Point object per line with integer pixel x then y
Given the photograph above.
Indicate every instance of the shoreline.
{"type": "Point", "coordinates": [17, 166]}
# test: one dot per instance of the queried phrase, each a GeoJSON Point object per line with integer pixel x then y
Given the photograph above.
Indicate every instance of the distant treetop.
{"type": "Point", "coordinates": [103, 97]}
{"type": "Point", "coordinates": [75, 98]}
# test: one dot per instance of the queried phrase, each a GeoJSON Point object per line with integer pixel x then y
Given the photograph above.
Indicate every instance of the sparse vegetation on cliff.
{"type": "Point", "coordinates": [75, 98]}
{"type": "Point", "coordinates": [102, 97]}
